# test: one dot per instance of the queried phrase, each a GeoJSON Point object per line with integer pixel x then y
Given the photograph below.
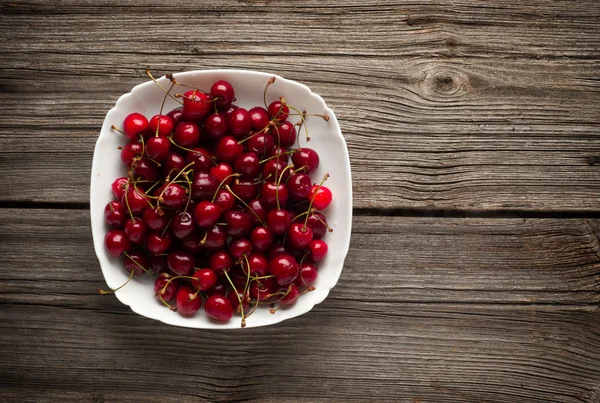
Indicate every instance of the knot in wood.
{"type": "Point", "coordinates": [446, 82]}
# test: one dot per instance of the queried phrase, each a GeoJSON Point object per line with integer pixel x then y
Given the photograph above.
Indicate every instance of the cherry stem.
{"type": "Point", "coordinates": [111, 291]}
{"type": "Point", "coordinates": [303, 120]}
{"type": "Point", "coordinates": [313, 198]}
{"type": "Point", "coordinates": [153, 186]}
{"type": "Point", "coordinates": [149, 74]}
{"type": "Point", "coordinates": [171, 307]}
{"type": "Point", "coordinates": [117, 129]}
{"type": "Point", "coordinates": [247, 278]}
{"type": "Point", "coordinates": [221, 184]}
{"type": "Point", "coordinates": [193, 99]}
{"type": "Point", "coordinates": [245, 204]}
{"type": "Point", "coordinates": [189, 198]}
{"type": "Point", "coordinates": [163, 105]}
{"type": "Point", "coordinates": [254, 308]}
{"type": "Point", "coordinates": [302, 214]}
{"type": "Point", "coordinates": [279, 155]}
{"type": "Point", "coordinates": [127, 200]}
{"type": "Point", "coordinates": [238, 297]}
{"type": "Point", "coordinates": [271, 81]}
{"type": "Point", "coordinates": [175, 178]}
{"type": "Point", "coordinates": [279, 182]}
{"type": "Point", "coordinates": [203, 238]}
{"type": "Point", "coordinates": [137, 264]}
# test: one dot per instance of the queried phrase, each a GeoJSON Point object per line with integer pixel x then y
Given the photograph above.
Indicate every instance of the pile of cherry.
{"type": "Point", "coordinates": [218, 204]}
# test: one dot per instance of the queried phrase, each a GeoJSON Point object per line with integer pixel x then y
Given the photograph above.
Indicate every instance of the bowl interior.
{"type": "Point", "coordinates": [326, 139]}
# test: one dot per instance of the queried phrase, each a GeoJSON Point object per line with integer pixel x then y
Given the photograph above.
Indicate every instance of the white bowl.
{"type": "Point", "coordinates": [326, 139]}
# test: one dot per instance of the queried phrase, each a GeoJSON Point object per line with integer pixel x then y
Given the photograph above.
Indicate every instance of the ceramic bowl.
{"type": "Point", "coordinates": [326, 139]}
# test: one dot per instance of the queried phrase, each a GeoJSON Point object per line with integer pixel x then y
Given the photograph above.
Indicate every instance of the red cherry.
{"type": "Point", "coordinates": [136, 231]}
{"type": "Point", "coordinates": [158, 264]}
{"type": "Point", "coordinates": [222, 171]}
{"type": "Point", "coordinates": [259, 118]}
{"type": "Point", "coordinates": [201, 158]}
{"type": "Point", "coordinates": [225, 200]}
{"type": "Point", "coordinates": [239, 123]}
{"type": "Point", "coordinates": [279, 154]}
{"type": "Point", "coordinates": [286, 132]}
{"type": "Point", "coordinates": [158, 148]}
{"type": "Point", "coordinates": [165, 289]}
{"type": "Point", "coordinates": [318, 223]}
{"type": "Point", "coordinates": [234, 297]}
{"type": "Point", "coordinates": [204, 186]}
{"type": "Point", "coordinates": [204, 279]}
{"type": "Point", "coordinates": [219, 289]}
{"type": "Point", "coordinates": [307, 158]}
{"type": "Point", "coordinates": [196, 105]}
{"type": "Point", "coordinates": [157, 243]}
{"type": "Point", "coordinates": [218, 308]}
{"type": "Point", "coordinates": [299, 186]}
{"type": "Point", "coordinates": [248, 165]}
{"type": "Point", "coordinates": [278, 221]}
{"type": "Point", "coordinates": [216, 238]}
{"type": "Point", "coordinates": [162, 124]}
{"type": "Point", "coordinates": [187, 134]}
{"type": "Point", "coordinates": [259, 265]}
{"type": "Point", "coordinates": [260, 144]}
{"type": "Point", "coordinates": [191, 242]}
{"type": "Point", "coordinates": [173, 164]}
{"type": "Point", "coordinates": [176, 116]}
{"type": "Point", "coordinates": [299, 236]}
{"type": "Point", "coordinates": [215, 126]}
{"type": "Point", "coordinates": [240, 247]}
{"type": "Point", "coordinates": [155, 219]}
{"type": "Point", "coordinates": [181, 263]}
{"type": "Point", "coordinates": [134, 261]}
{"type": "Point", "coordinates": [145, 169]}
{"type": "Point", "coordinates": [274, 169]}
{"type": "Point", "coordinates": [220, 260]}
{"type": "Point", "coordinates": [245, 190]}
{"type": "Point", "coordinates": [276, 250]}
{"type": "Point", "coordinates": [284, 268]}
{"type": "Point", "coordinates": [116, 242]}
{"type": "Point", "coordinates": [291, 296]}
{"type": "Point", "coordinates": [321, 197]}
{"type": "Point", "coordinates": [259, 212]}
{"type": "Point", "coordinates": [114, 214]}
{"type": "Point", "coordinates": [318, 249]}
{"type": "Point", "coordinates": [239, 223]}
{"type": "Point", "coordinates": [118, 187]}
{"type": "Point", "coordinates": [261, 238]}
{"type": "Point", "coordinates": [135, 125]}
{"type": "Point", "coordinates": [271, 193]}
{"type": "Point", "coordinates": [187, 301]}
{"type": "Point", "coordinates": [223, 94]}
{"type": "Point", "coordinates": [262, 289]}
{"type": "Point", "coordinates": [131, 152]}
{"type": "Point", "coordinates": [207, 214]}
{"type": "Point", "coordinates": [183, 225]}
{"type": "Point", "coordinates": [228, 149]}
{"type": "Point", "coordinates": [174, 196]}
{"type": "Point", "coordinates": [278, 111]}
{"type": "Point", "coordinates": [135, 200]}
{"type": "Point", "coordinates": [308, 275]}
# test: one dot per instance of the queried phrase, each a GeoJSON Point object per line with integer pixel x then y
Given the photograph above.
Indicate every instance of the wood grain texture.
{"type": "Point", "coordinates": [429, 310]}
{"type": "Point", "coordinates": [457, 105]}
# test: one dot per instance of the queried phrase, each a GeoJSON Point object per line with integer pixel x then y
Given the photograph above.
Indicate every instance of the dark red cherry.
{"type": "Point", "coordinates": [291, 295]}
{"type": "Point", "coordinates": [321, 197]}
{"type": "Point", "coordinates": [216, 238]}
{"type": "Point", "coordinates": [278, 249]}
{"type": "Point", "coordinates": [204, 186]}
{"type": "Point", "coordinates": [182, 225]}
{"type": "Point", "coordinates": [286, 132]}
{"type": "Point", "coordinates": [260, 144]}
{"type": "Point", "coordinates": [145, 169]}
{"type": "Point", "coordinates": [278, 221]}
{"type": "Point", "coordinates": [234, 297]}
{"type": "Point", "coordinates": [215, 126]}
{"type": "Point", "coordinates": [284, 268]}
{"type": "Point", "coordinates": [307, 275]}
{"type": "Point", "coordinates": [131, 152]}
{"type": "Point", "coordinates": [187, 301]}
{"type": "Point", "coordinates": [245, 190]}
{"type": "Point", "coordinates": [218, 289]}
{"type": "Point", "coordinates": [318, 249]}
{"type": "Point", "coordinates": [174, 196]}
{"type": "Point", "coordinates": [299, 186]}
{"type": "Point", "coordinates": [207, 214]}
{"type": "Point", "coordinates": [279, 154]}
{"type": "Point", "coordinates": [318, 223]}
{"type": "Point", "coordinates": [278, 111]}
{"type": "Point", "coordinates": [135, 261]}
{"type": "Point", "coordinates": [165, 289]}
{"type": "Point", "coordinates": [228, 149]}
{"type": "Point", "coordinates": [228, 111]}
{"type": "Point", "coordinates": [299, 236]}
{"type": "Point", "coordinates": [158, 148]}
{"type": "Point", "coordinates": [240, 247]}
{"type": "Point", "coordinates": [262, 289]}
{"type": "Point", "coordinates": [156, 219]}
{"type": "Point", "coordinates": [225, 200]}
{"type": "Point", "coordinates": [114, 214]}
{"type": "Point", "coordinates": [274, 169]}
{"type": "Point", "coordinates": [258, 263]}
{"type": "Point", "coordinates": [204, 279]}
{"type": "Point", "coordinates": [118, 187]}
{"type": "Point", "coordinates": [136, 231]}
{"type": "Point", "coordinates": [239, 223]}
{"type": "Point", "coordinates": [218, 308]}
{"type": "Point", "coordinates": [192, 241]}
{"type": "Point", "coordinates": [158, 264]}
{"type": "Point", "coordinates": [222, 171]}
{"type": "Point", "coordinates": [259, 118]}
{"type": "Point", "coordinates": [135, 200]}
{"type": "Point", "coordinates": [220, 260]}
{"type": "Point", "coordinates": [187, 134]}
{"type": "Point", "coordinates": [135, 125]}
{"type": "Point", "coordinates": [157, 243]}
{"type": "Point", "coordinates": [201, 158]}
{"type": "Point", "coordinates": [175, 116]}
{"type": "Point", "coordinates": [116, 242]}
{"type": "Point", "coordinates": [270, 193]}
{"type": "Point", "coordinates": [239, 123]}
{"type": "Point", "coordinates": [261, 238]}
{"type": "Point", "coordinates": [307, 158]}
{"type": "Point", "coordinates": [161, 124]}
{"type": "Point", "coordinates": [223, 94]}
{"type": "Point", "coordinates": [196, 105]}
{"type": "Point", "coordinates": [174, 163]}
{"type": "Point", "coordinates": [259, 212]}
{"type": "Point", "coordinates": [248, 165]}
{"type": "Point", "coordinates": [181, 263]}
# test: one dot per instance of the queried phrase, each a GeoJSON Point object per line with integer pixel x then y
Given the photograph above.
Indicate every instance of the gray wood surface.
{"type": "Point", "coordinates": [488, 110]}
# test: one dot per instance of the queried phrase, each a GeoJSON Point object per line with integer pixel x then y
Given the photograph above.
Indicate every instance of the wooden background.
{"type": "Point", "coordinates": [474, 268]}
